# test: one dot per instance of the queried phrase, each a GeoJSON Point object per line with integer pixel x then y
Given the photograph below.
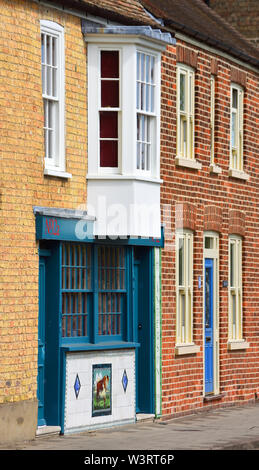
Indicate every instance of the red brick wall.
{"type": "Point", "coordinates": [219, 203]}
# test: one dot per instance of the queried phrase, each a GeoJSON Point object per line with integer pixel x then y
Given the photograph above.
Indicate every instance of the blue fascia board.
{"type": "Point", "coordinates": [72, 229]}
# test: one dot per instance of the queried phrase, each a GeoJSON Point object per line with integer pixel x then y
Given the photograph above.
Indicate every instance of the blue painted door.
{"type": "Point", "coordinates": [136, 326]}
{"type": "Point", "coordinates": [41, 344]}
{"type": "Point", "coordinates": [209, 369]}
{"type": "Point", "coordinates": [143, 330]}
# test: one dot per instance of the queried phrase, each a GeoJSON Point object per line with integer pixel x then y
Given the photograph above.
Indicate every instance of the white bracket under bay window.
{"type": "Point", "coordinates": [124, 127]}
{"type": "Point", "coordinates": [236, 133]}
{"type": "Point", "coordinates": [53, 83]}
{"type": "Point", "coordinates": [235, 333]}
{"type": "Point", "coordinates": [185, 117]}
{"type": "Point", "coordinates": [184, 293]}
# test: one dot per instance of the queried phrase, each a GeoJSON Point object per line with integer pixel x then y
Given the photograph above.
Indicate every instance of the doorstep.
{"type": "Point", "coordinates": [144, 417]}
{"type": "Point", "coordinates": [45, 430]}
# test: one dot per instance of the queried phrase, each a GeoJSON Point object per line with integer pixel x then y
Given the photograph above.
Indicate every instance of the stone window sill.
{"type": "Point", "coordinates": [188, 163]}
{"type": "Point", "coordinates": [215, 169]}
{"type": "Point", "coordinates": [57, 173]}
{"type": "Point", "coordinates": [236, 345]}
{"type": "Point", "coordinates": [184, 349]}
{"type": "Point", "coordinates": [209, 398]}
{"type": "Point", "coordinates": [238, 174]}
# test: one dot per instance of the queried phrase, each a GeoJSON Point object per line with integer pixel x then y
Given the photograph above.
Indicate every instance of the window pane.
{"type": "Point", "coordinates": [209, 242]}
{"type": "Point", "coordinates": [152, 71]}
{"type": "Point", "coordinates": [181, 261]}
{"type": "Point", "coordinates": [234, 98]}
{"type": "Point", "coordinates": [42, 49]}
{"type": "Point", "coordinates": [49, 50]}
{"type": "Point", "coordinates": [190, 93]}
{"type": "Point", "coordinates": [109, 153]}
{"type": "Point", "coordinates": [233, 310]}
{"type": "Point", "coordinates": [108, 124]}
{"type": "Point", "coordinates": [109, 94]}
{"type": "Point", "coordinates": [234, 129]}
{"type": "Point", "coordinates": [182, 92]}
{"type": "Point", "coordinates": [207, 297]}
{"type": "Point", "coordinates": [110, 64]}
{"type": "Point", "coordinates": [232, 265]}
{"type": "Point", "coordinates": [142, 72]}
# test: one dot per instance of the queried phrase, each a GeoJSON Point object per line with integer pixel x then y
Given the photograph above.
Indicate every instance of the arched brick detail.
{"type": "Point", "coordinates": [186, 56]}
{"type": "Point", "coordinates": [185, 216]}
{"type": "Point", "coordinates": [213, 218]}
{"type": "Point", "coordinates": [237, 222]}
{"type": "Point", "coordinates": [238, 76]}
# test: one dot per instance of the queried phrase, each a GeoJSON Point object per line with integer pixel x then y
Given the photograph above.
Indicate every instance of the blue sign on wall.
{"type": "Point", "coordinates": [49, 227]}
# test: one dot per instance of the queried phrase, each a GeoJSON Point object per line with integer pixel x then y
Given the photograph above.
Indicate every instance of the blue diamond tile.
{"type": "Point", "coordinates": [125, 380]}
{"type": "Point", "coordinates": [77, 386]}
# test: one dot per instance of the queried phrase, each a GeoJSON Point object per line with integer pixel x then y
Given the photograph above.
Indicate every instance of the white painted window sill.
{"type": "Point", "coordinates": [238, 344]}
{"type": "Point", "coordinates": [182, 349]}
{"type": "Point", "coordinates": [215, 169]}
{"type": "Point", "coordinates": [57, 173]}
{"type": "Point", "coordinates": [188, 163]}
{"type": "Point", "coordinates": [238, 174]}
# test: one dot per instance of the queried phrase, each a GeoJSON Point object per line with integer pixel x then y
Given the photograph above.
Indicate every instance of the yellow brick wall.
{"type": "Point", "coordinates": [22, 183]}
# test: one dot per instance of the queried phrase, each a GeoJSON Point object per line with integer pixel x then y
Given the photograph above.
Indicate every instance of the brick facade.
{"type": "Point", "coordinates": [198, 199]}
{"type": "Point", "coordinates": [222, 204]}
{"type": "Point", "coordinates": [23, 184]}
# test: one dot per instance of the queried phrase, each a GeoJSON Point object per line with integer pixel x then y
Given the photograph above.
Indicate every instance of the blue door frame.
{"type": "Point", "coordinates": [208, 336]}
{"type": "Point", "coordinates": [41, 344]}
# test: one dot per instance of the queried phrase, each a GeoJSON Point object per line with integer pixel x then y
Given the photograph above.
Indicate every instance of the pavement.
{"type": "Point", "coordinates": [231, 428]}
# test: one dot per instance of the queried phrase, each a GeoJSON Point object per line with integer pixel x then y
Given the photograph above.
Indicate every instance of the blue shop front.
{"type": "Point", "coordinates": [97, 324]}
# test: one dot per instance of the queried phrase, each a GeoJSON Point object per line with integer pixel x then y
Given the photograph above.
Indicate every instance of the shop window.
{"type": "Point", "coordinates": [93, 309]}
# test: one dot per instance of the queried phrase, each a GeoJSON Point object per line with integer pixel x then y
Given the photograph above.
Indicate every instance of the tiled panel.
{"type": "Point", "coordinates": [78, 410]}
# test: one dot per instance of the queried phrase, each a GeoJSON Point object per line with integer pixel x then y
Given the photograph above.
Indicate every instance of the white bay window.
{"type": "Point", "coordinates": [124, 128]}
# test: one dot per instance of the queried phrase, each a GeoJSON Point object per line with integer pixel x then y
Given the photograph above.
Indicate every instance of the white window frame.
{"type": "Point", "coordinates": [236, 162]}
{"type": "Point", "coordinates": [235, 296]}
{"type": "Point", "coordinates": [127, 154]}
{"type": "Point", "coordinates": [56, 165]}
{"type": "Point", "coordinates": [186, 152]}
{"type": "Point", "coordinates": [184, 294]}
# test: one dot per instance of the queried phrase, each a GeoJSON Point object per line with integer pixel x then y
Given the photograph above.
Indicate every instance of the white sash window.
{"type": "Point", "coordinates": [52, 74]}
